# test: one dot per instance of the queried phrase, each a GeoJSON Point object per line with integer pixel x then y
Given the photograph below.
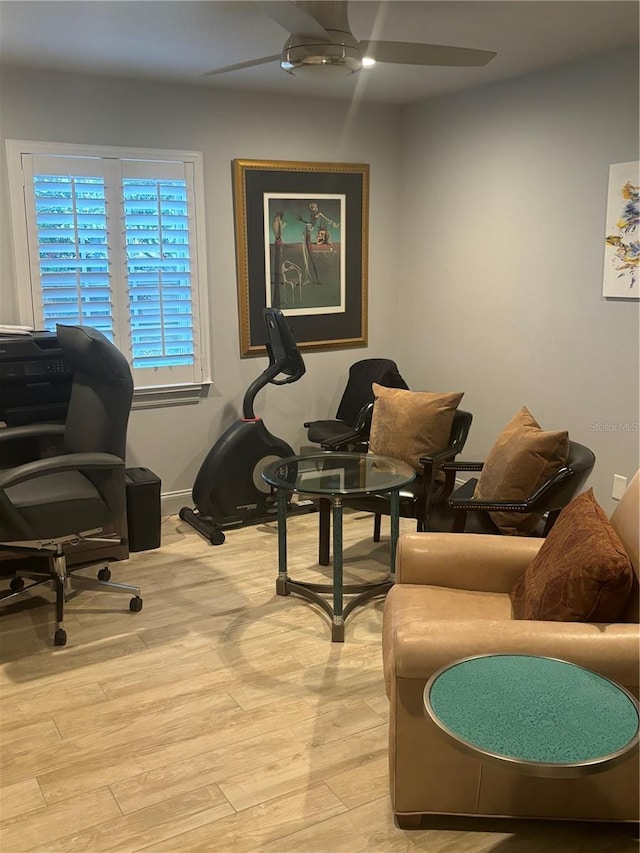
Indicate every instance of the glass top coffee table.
{"type": "Point", "coordinates": [333, 477]}
{"type": "Point", "coordinates": [538, 715]}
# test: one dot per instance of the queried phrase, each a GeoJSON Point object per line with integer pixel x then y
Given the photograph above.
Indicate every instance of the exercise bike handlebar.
{"type": "Point", "coordinates": [284, 357]}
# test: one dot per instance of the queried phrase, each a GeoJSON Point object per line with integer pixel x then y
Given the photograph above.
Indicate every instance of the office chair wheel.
{"type": "Point", "coordinates": [60, 637]}
{"type": "Point", "coordinates": [16, 584]}
{"type": "Point", "coordinates": [135, 604]}
{"type": "Point", "coordinates": [104, 575]}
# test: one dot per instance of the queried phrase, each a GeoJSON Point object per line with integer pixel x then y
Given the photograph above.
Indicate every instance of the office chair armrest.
{"type": "Point", "coordinates": [437, 458]}
{"type": "Point", "coordinates": [30, 431]}
{"type": "Point", "coordinates": [463, 499]}
{"type": "Point", "coordinates": [59, 464]}
{"type": "Point", "coordinates": [460, 465]}
{"type": "Point", "coordinates": [343, 440]}
{"type": "Point", "coordinates": [359, 434]}
{"type": "Point", "coordinates": [471, 504]}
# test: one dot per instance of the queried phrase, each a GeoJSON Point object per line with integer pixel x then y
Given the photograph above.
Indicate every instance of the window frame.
{"type": "Point", "coordinates": [164, 394]}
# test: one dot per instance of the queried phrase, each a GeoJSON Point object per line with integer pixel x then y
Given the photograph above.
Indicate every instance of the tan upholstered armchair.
{"type": "Point", "coordinates": [451, 600]}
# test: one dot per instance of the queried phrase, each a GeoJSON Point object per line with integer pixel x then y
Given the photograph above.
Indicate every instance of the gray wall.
{"type": "Point", "coordinates": [486, 245]}
{"type": "Point", "coordinates": [93, 110]}
{"type": "Point", "coordinates": [503, 214]}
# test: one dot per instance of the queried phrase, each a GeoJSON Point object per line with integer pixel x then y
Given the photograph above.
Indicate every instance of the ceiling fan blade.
{"type": "Point", "coordinates": [294, 19]}
{"type": "Point", "coordinates": [410, 53]}
{"type": "Point", "coordinates": [240, 65]}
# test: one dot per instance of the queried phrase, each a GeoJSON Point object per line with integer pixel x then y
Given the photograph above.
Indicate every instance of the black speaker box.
{"type": "Point", "coordinates": [143, 509]}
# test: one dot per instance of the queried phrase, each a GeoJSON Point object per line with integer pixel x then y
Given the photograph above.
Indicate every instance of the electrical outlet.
{"type": "Point", "coordinates": [619, 486]}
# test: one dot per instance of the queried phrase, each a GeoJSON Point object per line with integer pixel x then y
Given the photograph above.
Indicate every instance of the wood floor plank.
{"type": "Point", "coordinates": [322, 682]}
{"type": "Point", "coordinates": [20, 798]}
{"type": "Point", "coordinates": [191, 659]}
{"type": "Point", "coordinates": [153, 745]}
{"type": "Point", "coordinates": [245, 755]}
{"type": "Point", "coordinates": [18, 740]}
{"type": "Point", "coordinates": [69, 665]}
{"type": "Point", "coordinates": [22, 833]}
{"type": "Point", "coordinates": [34, 703]}
{"type": "Point", "coordinates": [363, 783]}
{"type": "Point", "coordinates": [140, 830]}
{"type": "Point", "coordinates": [131, 747]}
{"type": "Point", "coordinates": [249, 831]}
{"type": "Point", "coordinates": [368, 829]}
{"type": "Point", "coordinates": [311, 763]}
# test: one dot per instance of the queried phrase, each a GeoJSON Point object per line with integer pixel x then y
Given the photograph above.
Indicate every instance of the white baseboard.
{"type": "Point", "coordinates": [172, 502]}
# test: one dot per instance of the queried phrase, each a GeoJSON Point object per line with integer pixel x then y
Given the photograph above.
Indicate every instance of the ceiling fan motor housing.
{"type": "Point", "coordinates": [342, 50]}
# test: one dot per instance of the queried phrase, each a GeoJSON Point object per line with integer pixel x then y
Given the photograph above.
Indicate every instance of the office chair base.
{"type": "Point", "coordinates": [64, 582]}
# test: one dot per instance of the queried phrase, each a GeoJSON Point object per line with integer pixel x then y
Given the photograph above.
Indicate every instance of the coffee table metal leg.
{"type": "Point", "coordinates": [281, 583]}
{"type": "Point", "coordinates": [337, 627]}
{"type": "Point", "coordinates": [324, 530]}
{"type": "Point", "coordinates": [395, 528]}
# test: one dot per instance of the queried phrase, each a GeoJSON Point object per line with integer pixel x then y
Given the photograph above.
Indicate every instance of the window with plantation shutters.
{"type": "Point", "coordinates": [116, 242]}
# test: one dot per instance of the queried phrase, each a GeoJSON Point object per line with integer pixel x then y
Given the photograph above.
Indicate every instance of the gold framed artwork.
{"type": "Point", "coordinates": [302, 246]}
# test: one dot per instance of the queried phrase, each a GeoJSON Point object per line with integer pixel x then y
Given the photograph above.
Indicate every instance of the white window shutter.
{"type": "Point", "coordinates": [68, 222]}
{"type": "Point", "coordinates": [114, 239]}
{"type": "Point", "coordinates": [159, 237]}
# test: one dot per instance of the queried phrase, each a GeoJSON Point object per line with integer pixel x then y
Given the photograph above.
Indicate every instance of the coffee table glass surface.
{"type": "Point", "coordinates": [539, 715]}
{"type": "Point", "coordinates": [335, 474]}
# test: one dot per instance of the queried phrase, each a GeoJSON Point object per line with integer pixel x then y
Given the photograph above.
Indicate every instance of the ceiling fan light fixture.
{"type": "Point", "coordinates": [299, 54]}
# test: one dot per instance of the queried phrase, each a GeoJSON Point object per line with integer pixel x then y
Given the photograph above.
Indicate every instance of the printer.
{"type": "Point", "coordinates": [35, 379]}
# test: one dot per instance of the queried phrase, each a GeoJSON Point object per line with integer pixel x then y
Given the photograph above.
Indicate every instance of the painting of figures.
{"type": "Point", "coordinates": [305, 264]}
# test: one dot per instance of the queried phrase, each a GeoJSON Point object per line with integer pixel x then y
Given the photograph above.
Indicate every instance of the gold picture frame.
{"type": "Point", "coordinates": [302, 246]}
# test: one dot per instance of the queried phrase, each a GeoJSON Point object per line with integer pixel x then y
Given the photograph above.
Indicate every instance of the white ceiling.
{"type": "Point", "coordinates": [179, 40]}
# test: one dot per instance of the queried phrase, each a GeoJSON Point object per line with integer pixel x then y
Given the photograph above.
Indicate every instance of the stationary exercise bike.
{"type": "Point", "coordinates": [229, 491]}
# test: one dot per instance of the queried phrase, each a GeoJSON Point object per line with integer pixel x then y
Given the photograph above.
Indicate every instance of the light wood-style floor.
{"type": "Point", "coordinates": [220, 718]}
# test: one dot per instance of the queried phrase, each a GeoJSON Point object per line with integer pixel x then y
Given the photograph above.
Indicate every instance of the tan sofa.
{"type": "Point", "coordinates": [451, 600]}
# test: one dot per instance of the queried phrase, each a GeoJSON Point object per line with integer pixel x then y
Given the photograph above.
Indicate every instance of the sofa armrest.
{"type": "Point", "coordinates": [464, 561]}
{"type": "Point", "coordinates": [421, 648]}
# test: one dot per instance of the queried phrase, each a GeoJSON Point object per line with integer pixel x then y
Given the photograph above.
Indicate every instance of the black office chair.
{"type": "Point", "coordinates": [418, 498]}
{"type": "Point", "coordinates": [351, 427]}
{"type": "Point", "coordinates": [459, 512]}
{"type": "Point", "coordinates": [49, 504]}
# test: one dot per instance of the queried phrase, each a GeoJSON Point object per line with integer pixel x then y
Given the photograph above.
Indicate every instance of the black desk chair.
{"type": "Point", "coordinates": [351, 427]}
{"type": "Point", "coordinates": [459, 512]}
{"type": "Point", "coordinates": [418, 498]}
{"type": "Point", "coordinates": [49, 504]}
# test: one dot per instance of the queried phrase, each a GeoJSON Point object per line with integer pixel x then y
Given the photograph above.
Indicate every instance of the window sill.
{"type": "Point", "coordinates": [169, 395]}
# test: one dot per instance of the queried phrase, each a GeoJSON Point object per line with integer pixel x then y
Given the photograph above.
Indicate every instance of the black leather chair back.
{"type": "Point", "coordinates": [566, 483]}
{"type": "Point", "coordinates": [358, 393]}
{"type": "Point", "coordinates": [101, 394]}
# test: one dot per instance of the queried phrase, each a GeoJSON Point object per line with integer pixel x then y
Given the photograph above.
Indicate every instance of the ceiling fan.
{"type": "Point", "coordinates": [321, 37]}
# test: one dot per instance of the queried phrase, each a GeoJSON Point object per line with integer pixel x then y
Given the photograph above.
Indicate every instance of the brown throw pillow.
{"type": "Point", "coordinates": [580, 574]}
{"type": "Point", "coordinates": [522, 459]}
{"type": "Point", "coordinates": [409, 424]}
